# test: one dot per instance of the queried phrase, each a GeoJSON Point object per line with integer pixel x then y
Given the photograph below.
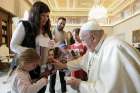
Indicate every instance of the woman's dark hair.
{"type": "Point", "coordinates": [34, 17]}
{"type": "Point", "coordinates": [70, 40]}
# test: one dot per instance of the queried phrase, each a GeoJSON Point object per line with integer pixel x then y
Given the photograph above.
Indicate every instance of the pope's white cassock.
{"type": "Point", "coordinates": [114, 67]}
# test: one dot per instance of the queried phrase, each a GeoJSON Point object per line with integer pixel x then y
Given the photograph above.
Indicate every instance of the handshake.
{"type": "Point", "coordinates": [49, 68]}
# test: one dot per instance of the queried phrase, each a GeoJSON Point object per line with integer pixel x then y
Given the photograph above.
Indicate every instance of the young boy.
{"type": "Point", "coordinates": [60, 53]}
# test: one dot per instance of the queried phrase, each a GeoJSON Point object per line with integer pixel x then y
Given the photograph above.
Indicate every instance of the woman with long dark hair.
{"type": "Point", "coordinates": [34, 33]}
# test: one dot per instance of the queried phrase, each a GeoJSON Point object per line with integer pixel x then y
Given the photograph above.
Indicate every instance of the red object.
{"type": "Point", "coordinates": [79, 47]}
{"type": "Point", "coordinates": [81, 74]}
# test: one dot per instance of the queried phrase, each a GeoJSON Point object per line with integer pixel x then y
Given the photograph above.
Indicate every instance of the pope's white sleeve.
{"type": "Point", "coordinates": [75, 64]}
{"type": "Point", "coordinates": [17, 38]}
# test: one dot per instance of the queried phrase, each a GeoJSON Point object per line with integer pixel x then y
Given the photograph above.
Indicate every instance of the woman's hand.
{"type": "Point", "coordinates": [51, 43]}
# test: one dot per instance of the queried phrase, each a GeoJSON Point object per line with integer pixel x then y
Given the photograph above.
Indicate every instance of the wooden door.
{"type": "Point", "coordinates": [0, 30]}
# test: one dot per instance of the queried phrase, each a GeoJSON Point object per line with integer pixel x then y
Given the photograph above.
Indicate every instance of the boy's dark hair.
{"type": "Point", "coordinates": [57, 52]}
{"type": "Point", "coordinates": [50, 50]}
{"type": "Point", "coordinates": [63, 18]}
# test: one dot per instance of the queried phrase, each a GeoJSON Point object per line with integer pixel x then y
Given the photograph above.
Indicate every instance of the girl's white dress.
{"type": "Point", "coordinates": [22, 83]}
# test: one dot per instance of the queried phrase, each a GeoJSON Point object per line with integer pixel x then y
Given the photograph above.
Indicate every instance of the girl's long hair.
{"type": "Point", "coordinates": [28, 56]}
{"type": "Point", "coordinates": [34, 17]}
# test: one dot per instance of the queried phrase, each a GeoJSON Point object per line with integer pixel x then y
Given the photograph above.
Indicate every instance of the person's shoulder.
{"type": "Point", "coordinates": [20, 24]}
{"type": "Point", "coordinates": [114, 41]}
{"type": "Point", "coordinates": [23, 23]}
{"type": "Point", "coordinates": [20, 74]}
{"type": "Point", "coordinates": [64, 32]}
{"type": "Point", "coordinates": [19, 27]}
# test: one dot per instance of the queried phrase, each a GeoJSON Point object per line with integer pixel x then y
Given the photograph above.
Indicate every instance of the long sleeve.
{"type": "Point", "coordinates": [17, 38]}
{"type": "Point", "coordinates": [26, 87]}
{"type": "Point", "coordinates": [22, 84]}
{"type": "Point", "coordinates": [117, 72]}
{"type": "Point", "coordinates": [74, 64]}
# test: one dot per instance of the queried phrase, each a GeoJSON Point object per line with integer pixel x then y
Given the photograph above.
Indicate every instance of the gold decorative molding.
{"type": "Point", "coordinates": [29, 2]}
{"type": "Point", "coordinates": [68, 13]}
{"type": "Point", "coordinates": [121, 7]}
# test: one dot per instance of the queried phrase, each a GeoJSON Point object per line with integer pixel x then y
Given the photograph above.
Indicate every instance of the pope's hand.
{"type": "Point", "coordinates": [74, 83]}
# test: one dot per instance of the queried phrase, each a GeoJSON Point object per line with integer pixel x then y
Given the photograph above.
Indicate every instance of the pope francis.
{"type": "Point", "coordinates": [112, 65]}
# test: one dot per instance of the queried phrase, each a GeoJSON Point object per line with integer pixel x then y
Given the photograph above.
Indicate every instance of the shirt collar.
{"type": "Point", "coordinates": [100, 43]}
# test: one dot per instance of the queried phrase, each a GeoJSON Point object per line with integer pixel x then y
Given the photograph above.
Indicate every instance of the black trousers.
{"type": "Point", "coordinates": [62, 81]}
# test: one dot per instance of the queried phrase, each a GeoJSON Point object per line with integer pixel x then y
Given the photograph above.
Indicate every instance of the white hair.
{"type": "Point", "coordinates": [91, 25]}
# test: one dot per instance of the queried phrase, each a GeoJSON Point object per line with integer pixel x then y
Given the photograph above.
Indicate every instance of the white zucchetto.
{"type": "Point", "coordinates": [90, 26]}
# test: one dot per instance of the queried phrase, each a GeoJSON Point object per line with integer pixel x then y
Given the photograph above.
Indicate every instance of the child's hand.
{"type": "Point", "coordinates": [58, 64]}
{"type": "Point", "coordinates": [45, 74]}
{"type": "Point", "coordinates": [46, 80]}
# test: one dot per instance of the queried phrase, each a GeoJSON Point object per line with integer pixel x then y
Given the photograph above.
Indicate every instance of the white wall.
{"type": "Point", "coordinates": [8, 5]}
{"type": "Point", "coordinates": [125, 28]}
{"type": "Point", "coordinates": [108, 30]}
{"type": "Point", "coordinates": [15, 7]}
{"type": "Point", "coordinates": [23, 7]}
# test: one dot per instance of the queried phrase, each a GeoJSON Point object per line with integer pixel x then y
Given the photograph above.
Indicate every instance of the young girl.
{"type": "Point", "coordinates": [21, 80]}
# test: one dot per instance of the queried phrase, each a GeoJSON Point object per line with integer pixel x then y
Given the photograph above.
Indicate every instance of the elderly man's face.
{"type": "Point", "coordinates": [89, 39]}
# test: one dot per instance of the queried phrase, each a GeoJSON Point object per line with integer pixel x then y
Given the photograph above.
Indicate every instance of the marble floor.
{"type": "Point", "coordinates": [4, 87]}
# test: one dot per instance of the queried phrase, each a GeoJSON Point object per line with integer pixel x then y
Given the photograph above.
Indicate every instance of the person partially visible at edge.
{"type": "Point", "coordinates": [34, 33]}
{"type": "Point", "coordinates": [112, 65]}
{"type": "Point", "coordinates": [20, 80]}
{"type": "Point", "coordinates": [79, 49]}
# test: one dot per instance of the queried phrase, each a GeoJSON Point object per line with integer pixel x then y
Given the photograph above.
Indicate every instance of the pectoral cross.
{"type": "Point", "coordinates": [90, 63]}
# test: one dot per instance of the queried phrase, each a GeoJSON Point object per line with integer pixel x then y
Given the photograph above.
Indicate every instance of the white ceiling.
{"type": "Point", "coordinates": [74, 7]}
